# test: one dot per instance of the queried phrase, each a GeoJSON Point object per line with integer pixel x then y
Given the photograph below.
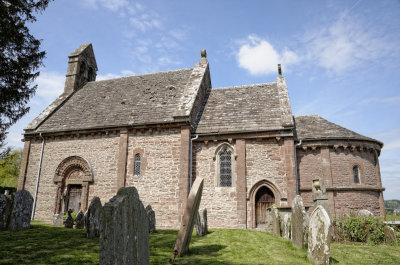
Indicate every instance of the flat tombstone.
{"type": "Point", "coordinates": [151, 215]}
{"type": "Point", "coordinates": [298, 220]}
{"type": "Point", "coordinates": [201, 223]}
{"type": "Point", "coordinates": [92, 218]}
{"type": "Point", "coordinates": [390, 235]}
{"type": "Point", "coordinates": [5, 210]}
{"type": "Point", "coordinates": [364, 212]}
{"type": "Point", "coordinates": [189, 217]}
{"type": "Point", "coordinates": [319, 236]}
{"type": "Point", "coordinates": [80, 220]}
{"type": "Point", "coordinates": [22, 210]}
{"type": "Point", "coordinates": [276, 224]}
{"type": "Point", "coordinates": [124, 230]}
{"type": "Point", "coordinates": [286, 226]}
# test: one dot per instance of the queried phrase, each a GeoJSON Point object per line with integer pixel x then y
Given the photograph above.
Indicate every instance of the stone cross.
{"type": "Point", "coordinates": [80, 220]}
{"type": "Point", "coordinates": [390, 235]}
{"type": "Point", "coordinates": [201, 223]}
{"type": "Point", "coordinates": [92, 218]}
{"type": "Point", "coordinates": [22, 210]}
{"type": "Point", "coordinates": [124, 230]}
{"type": "Point", "coordinates": [190, 211]}
{"type": "Point", "coordinates": [273, 221]}
{"type": "Point", "coordinates": [151, 215]}
{"type": "Point", "coordinates": [5, 210]}
{"type": "Point", "coordinates": [286, 226]}
{"type": "Point", "coordinates": [298, 216]}
{"type": "Point", "coordinates": [319, 236]}
{"type": "Point", "coordinates": [320, 197]}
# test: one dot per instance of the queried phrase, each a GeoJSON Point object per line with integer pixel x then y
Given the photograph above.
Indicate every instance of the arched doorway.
{"type": "Point", "coordinates": [263, 200]}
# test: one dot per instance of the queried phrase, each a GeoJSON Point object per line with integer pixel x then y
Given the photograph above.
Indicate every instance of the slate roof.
{"type": "Point", "coordinates": [314, 127]}
{"type": "Point", "coordinates": [141, 99]}
{"type": "Point", "coordinates": [249, 108]}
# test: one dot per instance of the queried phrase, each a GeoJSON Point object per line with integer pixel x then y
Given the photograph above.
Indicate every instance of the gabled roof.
{"type": "Point", "coordinates": [141, 99]}
{"type": "Point", "coordinates": [250, 108]}
{"type": "Point", "coordinates": [314, 127]}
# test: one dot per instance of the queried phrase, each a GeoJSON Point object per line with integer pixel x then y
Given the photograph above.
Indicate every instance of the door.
{"type": "Point", "coordinates": [264, 199]}
{"type": "Point", "coordinates": [74, 197]}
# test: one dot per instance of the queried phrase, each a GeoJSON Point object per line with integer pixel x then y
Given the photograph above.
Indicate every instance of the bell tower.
{"type": "Point", "coordinates": [82, 68]}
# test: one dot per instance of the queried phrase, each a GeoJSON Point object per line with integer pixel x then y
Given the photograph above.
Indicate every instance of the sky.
{"type": "Point", "coordinates": [341, 59]}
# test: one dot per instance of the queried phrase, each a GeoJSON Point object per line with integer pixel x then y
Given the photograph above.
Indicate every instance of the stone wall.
{"type": "Point", "coordinates": [353, 201]}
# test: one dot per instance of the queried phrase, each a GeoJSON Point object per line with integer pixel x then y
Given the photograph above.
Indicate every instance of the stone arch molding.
{"type": "Point", "coordinates": [73, 163]}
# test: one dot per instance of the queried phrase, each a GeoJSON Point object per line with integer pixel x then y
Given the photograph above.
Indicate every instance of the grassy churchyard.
{"type": "Point", "coordinates": [46, 244]}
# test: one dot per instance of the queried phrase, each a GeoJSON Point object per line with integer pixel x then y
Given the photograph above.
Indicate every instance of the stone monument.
{"type": "Point", "coordinates": [298, 222]}
{"type": "Point", "coordinates": [22, 210]}
{"type": "Point", "coordinates": [390, 235]}
{"type": "Point", "coordinates": [201, 223]}
{"type": "Point", "coordinates": [80, 220]}
{"type": "Point", "coordinates": [151, 215]}
{"type": "Point", "coordinates": [69, 221]}
{"type": "Point", "coordinates": [92, 218]}
{"type": "Point", "coordinates": [320, 197]}
{"type": "Point", "coordinates": [273, 221]}
{"type": "Point", "coordinates": [319, 236]}
{"type": "Point", "coordinates": [5, 210]}
{"type": "Point", "coordinates": [190, 211]}
{"type": "Point", "coordinates": [124, 230]}
{"type": "Point", "coordinates": [286, 226]}
{"type": "Point", "coordinates": [58, 219]}
{"type": "Point", "coordinates": [364, 212]}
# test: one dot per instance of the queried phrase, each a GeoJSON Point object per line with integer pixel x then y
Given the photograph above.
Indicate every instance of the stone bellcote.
{"type": "Point", "coordinates": [82, 68]}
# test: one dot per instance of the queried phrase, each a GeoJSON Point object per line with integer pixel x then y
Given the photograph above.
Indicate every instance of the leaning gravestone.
{"type": "Point", "coordinates": [298, 216]}
{"type": "Point", "coordinates": [22, 210]}
{"type": "Point", "coordinates": [273, 222]}
{"type": "Point", "coordinates": [364, 212]}
{"type": "Point", "coordinates": [124, 230]}
{"type": "Point", "coordinates": [69, 222]}
{"type": "Point", "coordinates": [286, 226]}
{"type": "Point", "coordinates": [80, 220]}
{"type": "Point", "coordinates": [190, 211]}
{"type": "Point", "coordinates": [5, 210]}
{"type": "Point", "coordinates": [151, 215]}
{"type": "Point", "coordinates": [319, 236]}
{"type": "Point", "coordinates": [201, 223]}
{"type": "Point", "coordinates": [390, 235]}
{"type": "Point", "coordinates": [92, 218]}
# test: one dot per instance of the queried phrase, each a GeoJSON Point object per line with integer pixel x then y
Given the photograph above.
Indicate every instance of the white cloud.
{"type": "Point", "coordinates": [259, 57]}
{"type": "Point", "coordinates": [380, 100]}
{"type": "Point", "coordinates": [145, 22]}
{"type": "Point", "coordinates": [113, 5]}
{"type": "Point", "coordinates": [50, 85]}
{"type": "Point", "coordinates": [112, 75]}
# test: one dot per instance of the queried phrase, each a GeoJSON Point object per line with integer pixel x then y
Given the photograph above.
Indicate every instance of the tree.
{"type": "Point", "coordinates": [20, 59]}
{"type": "Point", "coordinates": [10, 165]}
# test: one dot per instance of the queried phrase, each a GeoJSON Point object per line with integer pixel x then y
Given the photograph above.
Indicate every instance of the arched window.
{"type": "Point", "coordinates": [356, 174]}
{"type": "Point", "coordinates": [137, 165]}
{"type": "Point", "coordinates": [225, 168]}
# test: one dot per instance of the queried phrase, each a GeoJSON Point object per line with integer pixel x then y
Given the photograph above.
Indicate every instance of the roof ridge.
{"type": "Point", "coordinates": [243, 86]}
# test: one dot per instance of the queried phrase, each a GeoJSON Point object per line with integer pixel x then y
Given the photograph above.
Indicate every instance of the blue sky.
{"type": "Point", "coordinates": [341, 59]}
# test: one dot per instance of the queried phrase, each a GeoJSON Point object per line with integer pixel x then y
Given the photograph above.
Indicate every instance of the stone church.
{"type": "Point", "coordinates": [160, 131]}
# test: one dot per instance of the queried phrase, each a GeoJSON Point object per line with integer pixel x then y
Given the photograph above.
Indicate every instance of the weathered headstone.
{"type": "Point", "coordinates": [80, 220]}
{"type": "Point", "coordinates": [201, 223]}
{"type": "Point", "coordinates": [320, 197]}
{"type": "Point", "coordinates": [69, 222]}
{"type": "Point", "coordinates": [151, 215]}
{"type": "Point", "coordinates": [22, 210]}
{"type": "Point", "coordinates": [364, 212]}
{"type": "Point", "coordinates": [92, 218]}
{"type": "Point", "coordinates": [58, 220]}
{"type": "Point", "coordinates": [190, 211]}
{"type": "Point", "coordinates": [286, 226]}
{"type": "Point", "coordinates": [319, 236]}
{"type": "Point", "coordinates": [390, 235]}
{"type": "Point", "coordinates": [124, 230]}
{"type": "Point", "coordinates": [5, 210]}
{"type": "Point", "coordinates": [273, 222]}
{"type": "Point", "coordinates": [298, 222]}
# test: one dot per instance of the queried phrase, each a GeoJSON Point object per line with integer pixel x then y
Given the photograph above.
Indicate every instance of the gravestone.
{"type": "Point", "coordinates": [390, 235]}
{"type": "Point", "coordinates": [298, 222]}
{"type": "Point", "coordinates": [286, 226]}
{"type": "Point", "coordinates": [124, 230]}
{"type": "Point", "coordinates": [80, 220]}
{"type": "Point", "coordinates": [320, 197]}
{"type": "Point", "coordinates": [151, 215]}
{"type": "Point", "coordinates": [319, 236]}
{"type": "Point", "coordinates": [58, 220]}
{"type": "Point", "coordinates": [92, 218]}
{"type": "Point", "coordinates": [189, 217]}
{"type": "Point", "coordinates": [21, 211]}
{"type": "Point", "coordinates": [364, 212]}
{"type": "Point", "coordinates": [273, 222]}
{"type": "Point", "coordinates": [69, 222]}
{"type": "Point", "coordinates": [5, 210]}
{"type": "Point", "coordinates": [201, 223]}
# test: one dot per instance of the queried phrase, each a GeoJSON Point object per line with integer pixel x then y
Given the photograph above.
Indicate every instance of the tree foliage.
{"type": "Point", "coordinates": [20, 59]}
{"type": "Point", "coordinates": [10, 165]}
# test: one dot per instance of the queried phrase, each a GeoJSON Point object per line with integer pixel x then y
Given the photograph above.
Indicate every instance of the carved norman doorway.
{"type": "Point", "coordinates": [263, 200]}
{"type": "Point", "coordinates": [73, 176]}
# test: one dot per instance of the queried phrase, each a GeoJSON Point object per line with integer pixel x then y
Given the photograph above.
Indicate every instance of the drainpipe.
{"type": "Point", "coordinates": [38, 178]}
{"type": "Point", "coordinates": [296, 169]}
{"type": "Point", "coordinates": [191, 160]}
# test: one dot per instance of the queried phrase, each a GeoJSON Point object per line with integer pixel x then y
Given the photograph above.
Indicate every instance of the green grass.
{"type": "Point", "coordinates": [45, 244]}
